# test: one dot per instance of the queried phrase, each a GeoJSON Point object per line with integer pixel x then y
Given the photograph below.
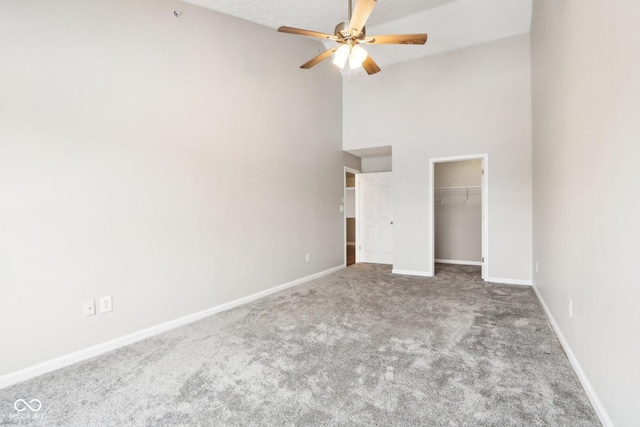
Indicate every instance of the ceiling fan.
{"type": "Point", "coordinates": [349, 35]}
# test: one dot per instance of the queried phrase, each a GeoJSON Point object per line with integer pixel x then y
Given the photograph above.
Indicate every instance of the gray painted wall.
{"type": "Point", "coordinates": [458, 174]}
{"type": "Point", "coordinates": [471, 101]}
{"type": "Point", "coordinates": [586, 110]}
{"type": "Point", "coordinates": [151, 158]}
{"type": "Point", "coordinates": [377, 164]}
{"type": "Point", "coordinates": [351, 161]}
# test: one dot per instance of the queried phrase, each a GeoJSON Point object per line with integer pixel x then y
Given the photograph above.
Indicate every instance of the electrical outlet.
{"type": "Point", "coordinates": [307, 258]}
{"type": "Point", "coordinates": [89, 308]}
{"type": "Point", "coordinates": [570, 308]}
{"type": "Point", "coordinates": [106, 304]}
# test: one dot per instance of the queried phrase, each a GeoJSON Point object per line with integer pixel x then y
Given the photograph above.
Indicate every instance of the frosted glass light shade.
{"type": "Point", "coordinates": [357, 56]}
{"type": "Point", "coordinates": [341, 56]}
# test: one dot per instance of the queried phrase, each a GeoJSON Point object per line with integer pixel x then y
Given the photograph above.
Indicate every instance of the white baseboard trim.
{"type": "Point", "coordinates": [456, 261]}
{"type": "Point", "coordinates": [510, 281]}
{"type": "Point", "coordinates": [413, 273]}
{"type": "Point", "coordinates": [96, 350]}
{"type": "Point", "coordinates": [591, 394]}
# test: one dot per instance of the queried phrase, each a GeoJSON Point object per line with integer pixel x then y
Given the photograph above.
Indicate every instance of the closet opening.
{"type": "Point", "coordinates": [459, 212]}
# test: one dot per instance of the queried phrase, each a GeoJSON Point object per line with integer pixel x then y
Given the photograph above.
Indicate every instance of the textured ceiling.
{"type": "Point", "coordinates": [317, 15]}
{"type": "Point", "coordinates": [451, 24]}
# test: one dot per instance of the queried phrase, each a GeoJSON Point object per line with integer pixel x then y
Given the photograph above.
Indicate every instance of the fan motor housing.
{"type": "Point", "coordinates": [342, 31]}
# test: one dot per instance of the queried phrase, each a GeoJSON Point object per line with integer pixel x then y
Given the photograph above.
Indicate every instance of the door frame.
{"type": "Point", "coordinates": [356, 172]}
{"type": "Point", "coordinates": [485, 207]}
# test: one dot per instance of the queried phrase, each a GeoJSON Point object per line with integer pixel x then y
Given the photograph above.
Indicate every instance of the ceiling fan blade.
{"type": "Point", "coordinates": [397, 39]}
{"type": "Point", "coordinates": [308, 33]}
{"type": "Point", "coordinates": [315, 61]}
{"type": "Point", "coordinates": [360, 15]}
{"type": "Point", "coordinates": [370, 65]}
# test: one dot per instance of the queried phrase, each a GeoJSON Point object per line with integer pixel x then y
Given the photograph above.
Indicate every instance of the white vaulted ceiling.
{"type": "Point", "coordinates": [317, 15]}
{"type": "Point", "coordinates": [450, 24]}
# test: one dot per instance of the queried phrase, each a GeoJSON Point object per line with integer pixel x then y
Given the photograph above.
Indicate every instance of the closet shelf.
{"type": "Point", "coordinates": [471, 187]}
{"type": "Point", "coordinates": [467, 190]}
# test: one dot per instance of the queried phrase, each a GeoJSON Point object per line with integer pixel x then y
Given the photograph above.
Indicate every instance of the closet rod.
{"type": "Point", "coordinates": [471, 187]}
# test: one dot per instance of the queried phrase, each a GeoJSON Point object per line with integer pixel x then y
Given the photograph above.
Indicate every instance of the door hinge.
{"type": "Point", "coordinates": [482, 171]}
{"type": "Point", "coordinates": [482, 259]}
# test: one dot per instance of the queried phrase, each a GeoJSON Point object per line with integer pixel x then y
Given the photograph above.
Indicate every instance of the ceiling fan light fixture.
{"type": "Point", "coordinates": [348, 35]}
{"type": "Point", "coordinates": [341, 55]}
{"type": "Point", "coordinates": [357, 57]}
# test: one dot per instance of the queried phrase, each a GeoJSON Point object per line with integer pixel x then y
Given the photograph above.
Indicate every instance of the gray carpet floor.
{"type": "Point", "coordinates": [358, 347]}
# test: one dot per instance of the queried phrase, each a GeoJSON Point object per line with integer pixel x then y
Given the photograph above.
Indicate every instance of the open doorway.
{"type": "Point", "coordinates": [459, 211]}
{"type": "Point", "coordinates": [350, 216]}
{"type": "Point", "coordinates": [367, 207]}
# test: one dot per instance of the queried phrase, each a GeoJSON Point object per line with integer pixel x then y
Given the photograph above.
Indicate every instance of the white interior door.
{"type": "Point", "coordinates": [375, 218]}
